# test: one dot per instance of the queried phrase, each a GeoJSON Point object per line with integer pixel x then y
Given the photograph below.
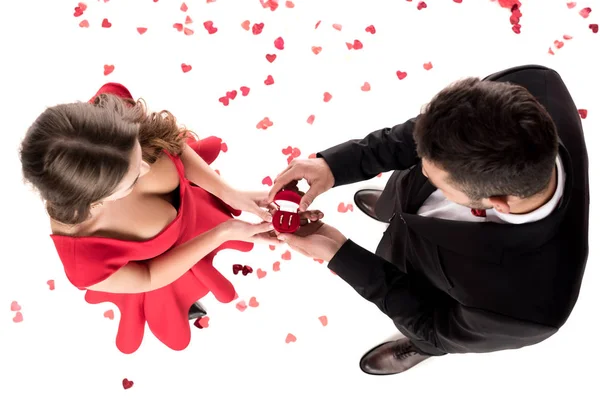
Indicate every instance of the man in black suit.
{"type": "Point", "coordinates": [488, 218]}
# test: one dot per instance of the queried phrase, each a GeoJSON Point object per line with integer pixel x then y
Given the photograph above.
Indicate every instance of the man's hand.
{"type": "Point", "coordinates": [316, 172]}
{"type": "Point", "coordinates": [315, 240]}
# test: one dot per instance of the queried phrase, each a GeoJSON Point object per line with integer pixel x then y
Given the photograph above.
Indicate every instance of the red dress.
{"type": "Point", "coordinates": [90, 260]}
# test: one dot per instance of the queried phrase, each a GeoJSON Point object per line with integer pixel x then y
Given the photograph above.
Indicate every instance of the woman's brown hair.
{"type": "Point", "coordinates": [77, 154]}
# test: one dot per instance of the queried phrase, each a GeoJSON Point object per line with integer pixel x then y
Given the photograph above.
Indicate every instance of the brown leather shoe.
{"type": "Point", "coordinates": [366, 199]}
{"type": "Point", "coordinates": [391, 358]}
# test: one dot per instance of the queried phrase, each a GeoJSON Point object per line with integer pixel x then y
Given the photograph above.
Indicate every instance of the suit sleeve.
{"type": "Point", "coordinates": [381, 151]}
{"type": "Point", "coordinates": [436, 323]}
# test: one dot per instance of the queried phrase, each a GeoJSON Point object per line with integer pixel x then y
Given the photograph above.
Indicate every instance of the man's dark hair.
{"type": "Point", "coordinates": [493, 138]}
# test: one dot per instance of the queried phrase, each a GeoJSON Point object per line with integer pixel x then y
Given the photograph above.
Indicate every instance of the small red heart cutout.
{"type": "Point", "coordinates": [317, 24]}
{"type": "Point", "coordinates": [316, 49]}
{"type": "Point", "coordinates": [290, 338]}
{"type": "Point", "coordinates": [108, 69]}
{"type": "Point", "coordinates": [50, 284]}
{"type": "Point", "coordinates": [208, 25]}
{"type": "Point", "coordinates": [272, 247]}
{"type": "Point", "coordinates": [267, 181]}
{"type": "Point", "coordinates": [141, 31]}
{"type": "Point", "coordinates": [186, 68]}
{"type": "Point", "coordinates": [585, 12]}
{"type": "Point", "coordinates": [327, 96]}
{"type": "Point", "coordinates": [188, 20]}
{"type": "Point", "coordinates": [18, 317]}
{"type": "Point", "coordinates": [559, 44]}
{"type": "Point", "coordinates": [105, 23]}
{"type": "Point", "coordinates": [257, 28]}
{"type": "Point", "coordinates": [594, 28]}
{"type": "Point", "coordinates": [365, 87]}
{"type": "Point", "coordinates": [572, 4]}
{"type": "Point", "coordinates": [246, 25]}
{"type": "Point", "coordinates": [401, 75]}
{"type": "Point", "coordinates": [224, 100]}
{"type": "Point", "coordinates": [245, 90]}
{"type": "Point", "coordinates": [224, 147]}
{"type": "Point", "coordinates": [178, 26]}
{"type": "Point", "coordinates": [201, 323]}
{"type": "Point", "coordinates": [253, 303]}
{"type": "Point", "coordinates": [289, 4]}
{"type": "Point", "coordinates": [421, 5]}
{"type": "Point", "coordinates": [232, 94]}
{"type": "Point", "coordinates": [310, 119]}
{"type": "Point", "coordinates": [260, 273]}
{"type": "Point", "coordinates": [323, 320]}
{"type": "Point", "coordinates": [427, 66]}
{"type": "Point", "coordinates": [357, 45]}
{"type": "Point", "coordinates": [370, 29]}
{"type": "Point", "coordinates": [287, 151]}
{"type": "Point", "coordinates": [337, 27]}
{"type": "Point", "coordinates": [14, 306]}
{"type": "Point", "coordinates": [183, 7]}
{"type": "Point", "coordinates": [110, 314]}
{"type": "Point", "coordinates": [241, 305]}
{"type": "Point", "coordinates": [582, 113]}
{"type": "Point", "coordinates": [279, 44]}
{"type": "Point", "coordinates": [276, 266]}
{"type": "Point", "coordinates": [271, 57]}
{"type": "Point", "coordinates": [84, 24]}
{"type": "Point", "coordinates": [127, 384]}
{"type": "Point", "coordinates": [286, 256]}
{"type": "Point", "coordinates": [269, 80]}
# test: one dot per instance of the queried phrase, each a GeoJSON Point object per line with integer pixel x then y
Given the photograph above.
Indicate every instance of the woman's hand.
{"type": "Point", "coordinates": [235, 229]}
{"type": "Point", "coordinates": [253, 202]}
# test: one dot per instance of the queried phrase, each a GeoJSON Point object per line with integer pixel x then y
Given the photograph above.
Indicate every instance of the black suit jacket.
{"type": "Point", "coordinates": [458, 287]}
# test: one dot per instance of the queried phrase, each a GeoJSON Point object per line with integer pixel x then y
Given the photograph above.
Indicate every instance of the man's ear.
{"type": "Point", "coordinates": [500, 204]}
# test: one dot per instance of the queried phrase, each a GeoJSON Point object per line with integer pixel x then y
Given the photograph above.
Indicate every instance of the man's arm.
{"type": "Point", "coordinates": [435, 322]}
{"type": "Point", "coordinates": [381, 151]}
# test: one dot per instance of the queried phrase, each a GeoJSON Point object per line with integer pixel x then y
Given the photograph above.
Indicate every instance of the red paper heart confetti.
{"type": "Point", "coordinates": [84, 24]}
{"type": "Point", "coordinates": [178, 26]}
{"type": "Point", "coordinates": [183, 7]}
{"type": "Point", "coordinates": [572, 4]}
{"type": "Point", "coordinates": [202, 323]}
{"type": "Point", "coordinates": [558, 44]}
{"type": "Point", "coordinates": [108, 69]}
{"type": "Point", "coordinates": [18, 317]}
{"type": "Point", "coordinates": [365, 87]}
{"type": "Point", "coordinates": [323, 320]}
{"type": "Point", "coordinates": [272, 247]}
{"type": "Point", "coordinates": [313, 155]}
{"type": "Point", "coordinates": [127, 384]}
{"type": "Point", "coordinates": [401, 75]}
{"type": "Point", "coordinates": [267, 181]}
{"type": "Point", "coordinates": [357, 45]}
{"type": "Point", "coordinates": [567, 37]}
{"type": "Point", "coordinates": [271, 57]}
{"type": "Point", "coordinates": [225, 101]}
{"type": "Point", "coordinates": [421, 5]}
{"type": "Point", "coordinates": [253, 303]}
{"type": "Point", "coordinates": [141, 31]}
{"type": "Point", "coordinates": [550, 51]}
{"type": "Point", "coordinates": [110, 314]}
{"type": "Point", "coordinates": [246, 25]}
{"type": "Point", "coordinates": [585, 12]}
{"type": "Point", "coordinates": [317, 24]}
{"type": "Point", "coordinates": [224, 147]}
{"type": "Point", "coordinates": [289, 4]}
{"type": "Point", "coordinates": [241, 305]}
{"type": "Point", "coordinates": [279, 44]}
{"type": "Point", "coordinates": [290, 338]}
{"type": "Point", "coordinates": [15, 306]}
{"type": "Point", "coordinates": [287, 256]}
{"type": "Point", "coordinates": [257, 28]}
{"type": "Point", "coordinates": [310, 119]}
{"type": "Point", "coordinates": [343, 208]}
{"type": "Point", "coordinates": [337, 27]}
{"type": "Point", "coordinates": [188, 20]}
{"type": "Point", "coordinates": [316, 49]}
{"type": "Point", "coordinates": [188, 31]}
{"type": "Point", "coordinates": [264, 123]}
{"type": "Point", "coordinates": [185, 67]}
{"type": "Point", "coordinates": [583, 113]}
{"type": "Point", "coordinates": [594, 27]}
{"type": "Point", "coordinates": [50, 284]}
{"type": "Point", "coordinates": [269, 80]}
{"type": "Point", "coordinates": [208, 25]}
{"type": "Point", "coordinates": [427, 66]}
{"type": "Point", "coordinates": [260, 273]}
{"type": "Point", "coordinates": [276, 266]}
{"type": "Point", "coordinates": [231, 94]}
{"type": "Point", "coordinates": [245, 90]}
{"type": "Point", "coordinates": [370, 29]}
{"type": "Point", "coordinates": [327, 96]}
{"type": "Point", "coordinates": [105, 23]}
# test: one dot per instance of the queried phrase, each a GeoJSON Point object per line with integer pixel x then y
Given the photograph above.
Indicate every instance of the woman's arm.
{"type": "Point", "coordinates": [139, 277]}
{"type": "Point", "coordinates": [201, 174]}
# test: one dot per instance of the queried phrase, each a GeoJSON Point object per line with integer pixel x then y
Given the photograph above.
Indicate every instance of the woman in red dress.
{"type": "Point", "coordinates": [137, 214]}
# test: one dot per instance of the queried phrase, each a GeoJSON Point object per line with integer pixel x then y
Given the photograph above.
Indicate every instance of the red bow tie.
{"type": "Point", "coordinates": [245, 270]}
{"type": "Point", "coordinates": [478, 213]}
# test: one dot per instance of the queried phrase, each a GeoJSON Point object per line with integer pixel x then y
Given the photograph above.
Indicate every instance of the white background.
{"type": "Point", "coordinates": [64, 348]}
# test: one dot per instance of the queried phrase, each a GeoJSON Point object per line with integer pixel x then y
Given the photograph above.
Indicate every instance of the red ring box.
{"type": "Point", "coordinates": [285, 221]}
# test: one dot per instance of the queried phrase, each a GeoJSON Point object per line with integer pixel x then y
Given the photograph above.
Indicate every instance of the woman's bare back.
{"type": "Point", "coordinates": [140, 216]}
